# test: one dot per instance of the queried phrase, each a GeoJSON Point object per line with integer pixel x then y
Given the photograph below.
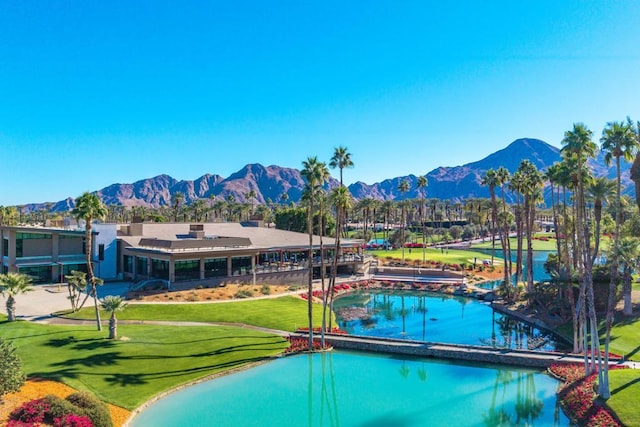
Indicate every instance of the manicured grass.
{"type": "Point", "coordinates": [625, 339]}
{"type": "Point", "coordinates": [150, 360]}
{"type": "Point", "coordinates": [538, 245]}
{"type": "Point", "coordinates": [449, 256]}
{"type": "Point", "coordinates": [625, 389]}
{"type": "Point", "coordinates": [285, 313]}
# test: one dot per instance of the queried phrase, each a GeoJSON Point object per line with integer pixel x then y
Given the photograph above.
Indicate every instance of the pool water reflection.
{"type": "Point", "coordinates": [357, 389]}
{"type": "Point", "coordinates": [424, 316]}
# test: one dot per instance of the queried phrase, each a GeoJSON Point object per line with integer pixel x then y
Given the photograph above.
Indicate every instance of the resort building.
{"type": "Point", "coordinates": [211, 253]}
{"type": "Point", "coordinates": [48, 254]}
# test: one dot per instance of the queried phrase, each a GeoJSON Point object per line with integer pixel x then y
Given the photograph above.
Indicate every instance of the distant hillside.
{"type": "Point", "coordinates": [271, 182]}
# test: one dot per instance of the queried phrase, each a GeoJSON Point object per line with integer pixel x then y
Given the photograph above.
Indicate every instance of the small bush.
{"type": "Point", "coordinates": [30, 413]}
{"type": "Point", "coordinates": [97, 411]}
{"type": "Point", "coordinates": [266, 290]}
{"type": "Point", "coordinates": [11, 374]}
{"type": "Point", "coordinates": [72, 420]}
{"type": "Point", "coordinates": [244, 293]}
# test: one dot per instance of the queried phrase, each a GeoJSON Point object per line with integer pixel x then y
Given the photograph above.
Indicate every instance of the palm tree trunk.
{"type": "Point", "coordinates": [310, 266]}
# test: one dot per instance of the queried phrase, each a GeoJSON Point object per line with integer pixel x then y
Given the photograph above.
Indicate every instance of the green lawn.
{"type": "Point", "coordinates": [150, 360]}
{"type": "Point", "coordinates": [625, 339]}
{"type": "Point", "coordinates": [450, 256]}
{"type": "Point", "coordinates": [285, 313]}
{"type": "Point", "coordinates": [538, 245]}
{"type": "Point", "coordinates": [625, 389]}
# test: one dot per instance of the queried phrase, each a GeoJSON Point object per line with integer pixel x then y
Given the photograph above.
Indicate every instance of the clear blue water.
{"type": "Point", "coordinates": [539, 258]}
{"type": "Point", "coordinates": [363, 390]}
{"type": "Point", "coordinates": [423, 316]}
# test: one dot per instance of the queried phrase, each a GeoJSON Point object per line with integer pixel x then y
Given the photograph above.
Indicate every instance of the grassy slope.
{"type": "Point", "coordinates": [284, 313]}
{"type": "Point", "coordinates": [450, 256]}
{"type": "Point", "coordinates": [538, 245]}
{"type": "Point", "coordinates": [625, 389]}
{"type": "Point", "coordinates": [151, 359]}
{"type": "Point", "coordinates": [625, 339]}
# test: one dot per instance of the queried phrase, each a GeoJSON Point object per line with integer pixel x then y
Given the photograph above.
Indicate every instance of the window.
{"type": "Point", "coordinates": [101, 252]}
{"type": "Point", "coordinates": [39, 274]}
{"type": "Point", "coordinates": [215, 267]}
{"type": "Point", "coordinates": [241, 265]}
{"type": "Point", "coordinates": [141, 266]}
{"type": "Point", "coordinates": [5, 247]}
{"type": "Point", "coordinates": [187, 270]}
{"type": "Point", "coordinates": [159, 269]}
{"type": "Point", "coordinates": [128, 264]}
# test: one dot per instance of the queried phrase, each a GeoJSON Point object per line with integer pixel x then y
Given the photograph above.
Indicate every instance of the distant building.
{"type": "Point", "coordinates": [208, 253]}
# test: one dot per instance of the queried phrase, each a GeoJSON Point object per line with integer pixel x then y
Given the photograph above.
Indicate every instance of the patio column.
{"type": "Point", "coordinates": [201, 268]}
{"type": "Point", "coordinates": [229, 266]}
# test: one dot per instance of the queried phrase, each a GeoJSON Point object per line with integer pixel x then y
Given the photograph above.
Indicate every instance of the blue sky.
{"type": "Point", "coordinates": [94, 93]}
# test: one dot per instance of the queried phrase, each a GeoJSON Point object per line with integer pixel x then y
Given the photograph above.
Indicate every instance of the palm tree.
{"type": "Point", "coordinates": [111, 304]}
{"type": "Point", "coordinates": [89, 207]}
{"type": "Point", "coordinates": [315, 173]}
{"type": "Point", "coordinates": [12, 284]}
{"type": "Point", "coordinates": [76, 284]}
{"type": "Point", "coordinates": [578, 148]}
{"type": "Point", "coordinates": [629, 258]}
{"type": "Point", "coordinates": [422, 184]}
{"type": "Point", "coordinates": [177, 199]}
{"type": "Point", "coordinates": [490, 179]}
{"type": "Point", "coordinates": [618, 140]}
{"type": "Point", "coordinates": [403, 187]}
{"type": "Point", "coordinates": [341, 159]}
{"type": "Point", "coordinates": [342, 201]}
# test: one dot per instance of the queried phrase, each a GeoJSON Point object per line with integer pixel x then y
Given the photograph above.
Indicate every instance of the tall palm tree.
{"type": "Point", "coordinates": [12, 284]}
{"type": "Point", "coordinates": [629, 259]}
{"type": "Point", "coordinates": [490, 179]}
{"type": "Point", "coordinates": [422, 185]}
{"type": "Point", "coordinates": [618, 140]}
{"type": "Point", "coordinates": [635, 167]}
{"type": "Point", "coordinates": [111, 304]}
{"type": "Point", "coordinates": [341, 200]}
{"type": "Point", "coordinates": [578, 147]}
{"type": "Point", "coordinates": [403, 187]}
{"type": "Point", "coordinates": [315, 173]}
{"type": "Point", "coordinates": [177, 199]}
{"type": "Point", "coordinates": [341, 159]}
{"type": "Point", "coordinates": [502, 179]}
{"type": "Point", "coordinates": [89, 207]}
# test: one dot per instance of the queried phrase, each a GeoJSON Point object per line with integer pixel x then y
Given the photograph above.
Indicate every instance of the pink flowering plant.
{"type": "Point", "coordinates": [578, 397]}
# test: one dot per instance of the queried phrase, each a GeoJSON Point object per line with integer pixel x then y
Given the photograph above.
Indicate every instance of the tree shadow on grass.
{"type": "Point", "coordinates": [626, 385]}
{"type": "Point", "coordinates": [102, 359]}
{"type": "Point", "coordinates": [81, 344]}
{"type": "Point", "coordinates": [262, 337]}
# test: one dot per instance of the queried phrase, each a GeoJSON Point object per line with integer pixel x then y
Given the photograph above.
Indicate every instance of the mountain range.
{"type": "Point", "coordinates": [271, 182]}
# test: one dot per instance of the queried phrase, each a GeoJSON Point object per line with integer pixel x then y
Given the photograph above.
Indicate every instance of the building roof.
{"type": "Point", "coordinates": [174, 235]}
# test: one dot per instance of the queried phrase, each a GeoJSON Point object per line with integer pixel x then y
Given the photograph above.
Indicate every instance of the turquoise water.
{"type": "Point", "coordinates": [356, 389]}
{"type": "Point", "coordinates": [423, 316]}
{"type": "Point", "coordinates": [539, 258]}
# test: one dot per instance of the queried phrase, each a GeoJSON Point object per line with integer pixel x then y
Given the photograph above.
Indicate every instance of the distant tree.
{"type": "Point", "coordinates": [403, 187]}
{"type": "Point", "coordinates": [177, 199]}
{"type": "Point", "coordinates": [89, 207]}
{"type": "Point", "coordinates": [341, 159]}
{"type": "Point", "coordinates": [12, 284]}
{"type": "Point", "coordinates": [12, 376]}
{"type": "Point", "coordinates": [456, 232]}
{"type": "Point", "coordinates": [111, 304]}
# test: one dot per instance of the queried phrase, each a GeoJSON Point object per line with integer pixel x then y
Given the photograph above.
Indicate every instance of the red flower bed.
{"type": "Point", "coordinates": [334, 330]}
{"type": "Point", "coordinates": [578, 398]}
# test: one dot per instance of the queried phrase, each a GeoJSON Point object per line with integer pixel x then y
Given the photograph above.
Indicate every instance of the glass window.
{"type": "Point", "coordinates": [215, 267]}
{"type": "Point", "coordinates": [128, 264]}
{"type": "Point", "coordinates": [39, 274]}
{"type": "Point", "coordinates": [240, 265]}
{"type": "Point", "coordinates": [160, 269]}
{"type": "Point", "coordinates": [187, 270]}
{"type": "Point", "coordinates": [101, 252]}
{"type": "Point", "coordinates": [141, 266]}
{"type": "Point", "coordinates": [5, 247]}
{"type": "Point", "coordinates": [19, 246]}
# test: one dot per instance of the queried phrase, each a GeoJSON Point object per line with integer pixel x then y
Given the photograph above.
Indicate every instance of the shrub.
{"type": "Point", "coordinates": [266, 290]}
{"type": "Point", "coordinates": [72, 420]}
{"type": "Point", "coordinates": [97, 411]}
{"type": "Point", "coordinates": [11, 374]}
{"type": "Point", "coordinates": [244, 293]}
{"type": "Point", "coordinates": [29, 413]}
{"type": "Point", "coordinates": [59, 408]}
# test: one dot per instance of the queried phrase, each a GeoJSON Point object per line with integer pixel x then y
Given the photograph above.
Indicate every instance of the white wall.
{"type": "Point", "coordinates": [107, 268]}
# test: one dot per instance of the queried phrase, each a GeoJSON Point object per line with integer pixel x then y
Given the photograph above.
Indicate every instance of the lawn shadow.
{"type": "Point", "coordinates": [626, 385]}
{"type": "Point", "coordinates": [102, 359]}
